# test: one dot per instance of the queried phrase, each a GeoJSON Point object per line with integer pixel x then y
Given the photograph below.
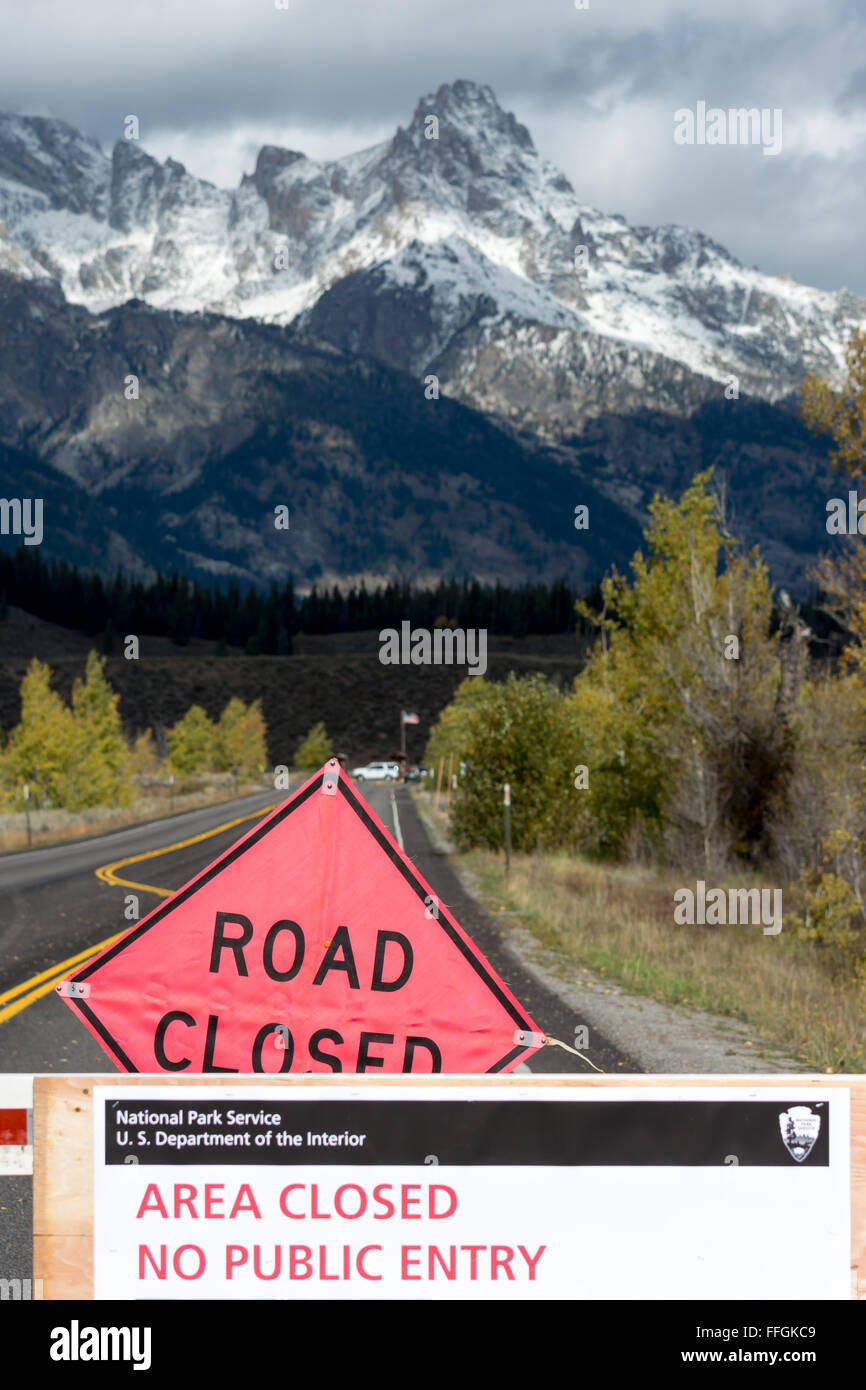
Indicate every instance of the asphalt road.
{"type": "Point", "coordinates": [54, 907]}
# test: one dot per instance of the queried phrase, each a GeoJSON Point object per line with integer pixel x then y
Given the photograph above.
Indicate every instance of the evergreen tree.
{"type": "Point", "coordinates": [175, 606]}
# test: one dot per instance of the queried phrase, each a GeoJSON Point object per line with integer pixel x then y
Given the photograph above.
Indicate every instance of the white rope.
{"type": "Point", "coordinates": [554, 1042]}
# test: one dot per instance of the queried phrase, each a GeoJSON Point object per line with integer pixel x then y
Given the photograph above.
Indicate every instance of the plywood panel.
{"type": "Point", "coordinates": [63, 1151]}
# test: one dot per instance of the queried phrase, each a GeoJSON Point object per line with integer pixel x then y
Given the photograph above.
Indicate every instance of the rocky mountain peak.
{"type": "Point", "coordinates": [471, 111]}
{"type": "Point", "coordinates": [52, 158]}
{"type": "Point", "coordinates": [143, 189]}
{"type": "Point", "coordinates": [462, 129]}
{"type": "Point", "coordinates": [271, 161]}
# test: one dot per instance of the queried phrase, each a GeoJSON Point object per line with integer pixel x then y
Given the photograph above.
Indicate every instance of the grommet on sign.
{"type": "Point", "coordinates": [526, 1039]}
{"type": "Point", "coordinates": [330, 778]}
{"type": "Point", "coordinates": [68, 989]}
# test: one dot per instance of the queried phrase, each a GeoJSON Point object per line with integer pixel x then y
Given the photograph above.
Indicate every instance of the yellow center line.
{"type": "Point", "coordinates": [54, 970]}
{"type": "Point", "coordinates": [23, 995]}
{"type": "Point", "coordinates": [30, 996]}
{"type": "Point", "coordinates": [107, 871]}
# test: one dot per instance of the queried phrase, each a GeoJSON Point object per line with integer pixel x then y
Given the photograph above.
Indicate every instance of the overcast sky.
{"type": "Point", "coordinates": [212, 80]}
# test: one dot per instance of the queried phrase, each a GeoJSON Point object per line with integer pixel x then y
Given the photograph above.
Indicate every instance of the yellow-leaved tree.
{"type": "Point", "coordinates": [41, 745]}
{"type": "Point", "coordinates": [449, 736]}
{"type": "Point", "coordinates": [240, 739]}
{"type": "Point", "coordinates": [314, 750]}
{"type": "Point", "coordinates": [191, 743]}
{"type": "Point", "coordinates": [678, 710]}
{"type": "Point", "coordinates": [100, 772]}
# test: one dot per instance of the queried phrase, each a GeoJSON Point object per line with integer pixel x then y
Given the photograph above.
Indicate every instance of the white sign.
{"type": "Point", "coordinates": [341, 1191]}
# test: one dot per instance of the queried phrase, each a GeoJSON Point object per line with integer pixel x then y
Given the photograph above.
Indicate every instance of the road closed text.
{"type": "Point", "coordinates": [187, 1041]}
{"type": "Point", "coordinates": [327, 1259]}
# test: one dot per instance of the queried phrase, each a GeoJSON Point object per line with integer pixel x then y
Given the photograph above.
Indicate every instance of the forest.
{"type": "Point", "coordinates": [263, 621]}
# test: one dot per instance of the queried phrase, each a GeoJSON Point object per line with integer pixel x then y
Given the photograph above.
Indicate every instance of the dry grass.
{"type": "Point", "coordinates": [100, 820]}
{"type": "Point", "coordinates": [618, 922]}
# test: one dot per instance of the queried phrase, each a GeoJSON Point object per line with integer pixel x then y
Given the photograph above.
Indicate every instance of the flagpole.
{"type": "Point", "coordinates": [403, 736]}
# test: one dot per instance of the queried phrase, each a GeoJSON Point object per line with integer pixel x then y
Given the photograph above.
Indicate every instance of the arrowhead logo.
{"type": "Point", "coordinates": [309, 946]}
{"type": "Point", "coordinates": [800, 1128]}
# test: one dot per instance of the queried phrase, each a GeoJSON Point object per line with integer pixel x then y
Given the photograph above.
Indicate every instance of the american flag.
{"type": "Point", "coordinates": [410, 718]}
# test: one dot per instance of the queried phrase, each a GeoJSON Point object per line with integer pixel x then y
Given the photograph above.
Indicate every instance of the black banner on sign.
{"type": "Point", "coordinates": [478, 1133]}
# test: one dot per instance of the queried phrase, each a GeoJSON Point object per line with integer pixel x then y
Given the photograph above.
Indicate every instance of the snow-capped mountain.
{"type": "Point", "coordinates": [452, 248]}
{"type": "Point", "coordinates": [282, 333]}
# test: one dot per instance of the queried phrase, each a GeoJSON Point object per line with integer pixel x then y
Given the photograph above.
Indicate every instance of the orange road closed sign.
{"type": "Point", "coordinates": [312, 945]}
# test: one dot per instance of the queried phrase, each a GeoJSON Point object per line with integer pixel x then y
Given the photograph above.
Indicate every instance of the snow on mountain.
{"type": "Point", "coordinates": [450, 247]}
